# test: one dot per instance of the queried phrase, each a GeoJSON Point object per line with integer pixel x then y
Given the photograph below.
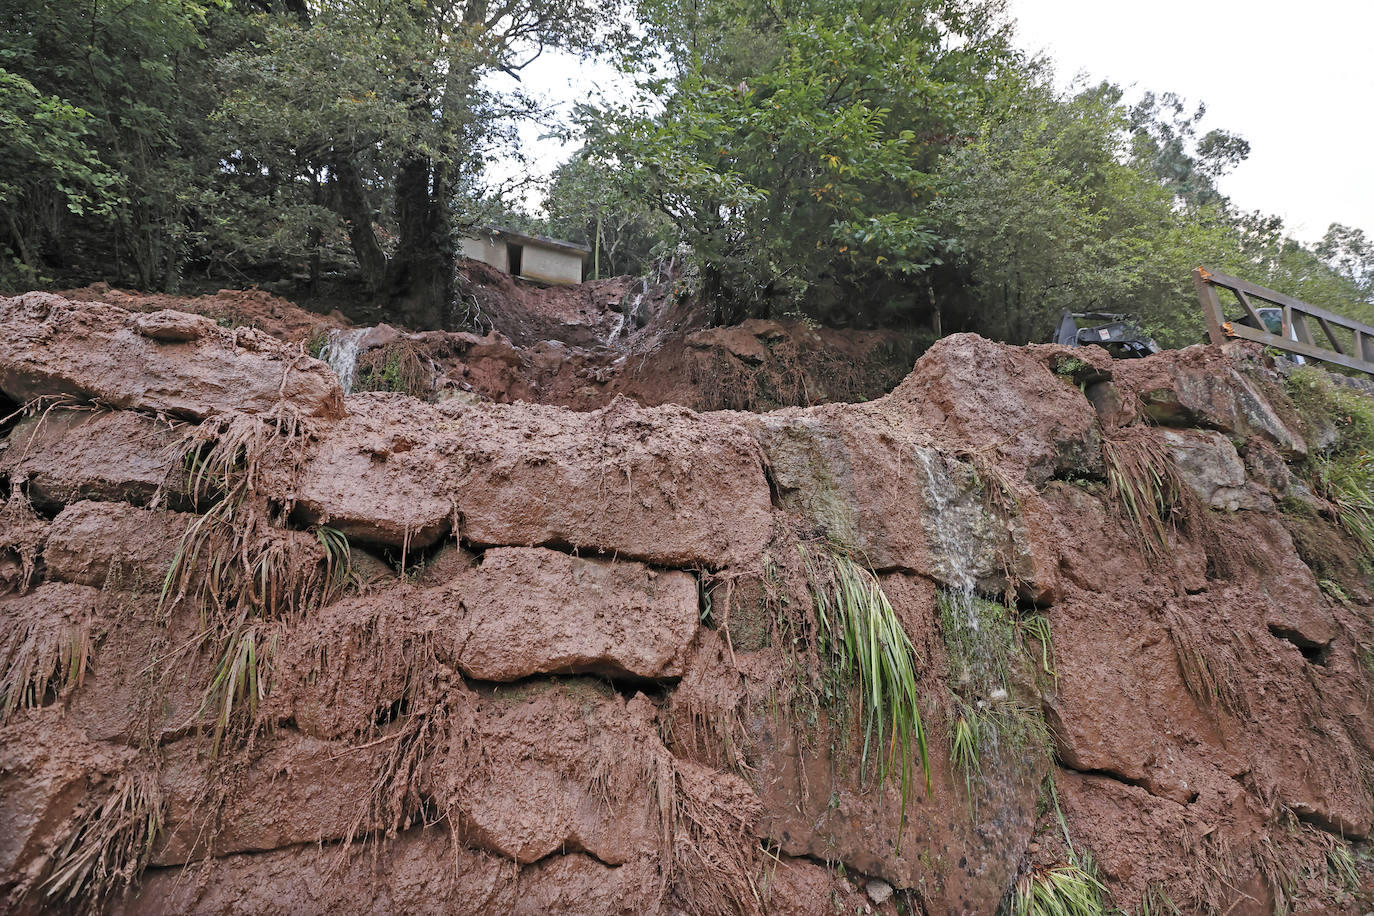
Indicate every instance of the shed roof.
{"type": "Point", "coordinates": [527, 239]}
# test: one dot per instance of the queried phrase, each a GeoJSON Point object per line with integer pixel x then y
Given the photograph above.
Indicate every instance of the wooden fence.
{"type": "Point", "coordinates": [1346, 342]}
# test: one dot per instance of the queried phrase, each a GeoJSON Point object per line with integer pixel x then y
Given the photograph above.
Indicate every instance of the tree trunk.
{"type": "Point", "coordinates": [357, 213]}
{"type": "Point", "coordinates": [422, 271]}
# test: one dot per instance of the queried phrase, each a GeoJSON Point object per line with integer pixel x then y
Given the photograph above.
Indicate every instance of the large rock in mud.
{"type": "Point", "coordinates": [534, 611]}
{"type": "Point", "coordinates": [959, 389]}
{"type": "Point", "coordinates": [1213, 389]}
{"type": "Point", "coordinates": [67, 455]}
{"type": "Point", "coordinates": [660, 485]}
{"type": "Point", "coordinates": [95, 543]}
{"type": "Point", "coordinates": [184, 366]}
{"type": "Point", "coordinates": [422, 871]}
{"type": "Point", "coordinates": [1211, 466]}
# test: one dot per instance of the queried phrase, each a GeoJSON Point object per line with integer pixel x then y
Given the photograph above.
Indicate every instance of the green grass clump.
{"type": "Point", "coordinates": [1340, 865]}
{"type": "Point", "coordinates": [1060, 890]}
{"type": "Point", "coordinates": [1343, 473]}
{"type": "Point", "coordinates": [397, 368]}
{"type": "Point", "coordinates": [860, 634]}
{"type": "Point", "coordinates": [240, 564]}
{"type": "Point", "coordinates": [1157, 902]}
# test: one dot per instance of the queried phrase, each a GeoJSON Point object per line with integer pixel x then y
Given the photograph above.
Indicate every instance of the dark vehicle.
{"type": "Point", "coordinates": [1119, 335]}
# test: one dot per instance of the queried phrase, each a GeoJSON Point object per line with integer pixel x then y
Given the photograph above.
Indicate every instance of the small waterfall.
{"type": "Point", "coordinates": [981, 644]}
{"type": "Point", "coordinates": [951, 553]}
{"type": "Point", "coordinates": [341, 353]}
{"type": "Point", "coordinates": [628, 312]}
{"type": "Point", "coordinates": [615, 329]}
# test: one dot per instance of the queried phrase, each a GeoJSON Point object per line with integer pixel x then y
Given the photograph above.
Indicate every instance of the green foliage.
{"type": "Point", "coordinates": [1068, 367]}
{"type": "Point", "coordinates": [1051, 214]}
{"type": "Point", "coordinates": [1344, 472]}
{"type": "Point", "coordinates": [1340, 862]}
{"type": "Point", "coordinates": [397, 368]}
{"type": "Point", "coordinates": [803, 169]}
{"type": "Point", "coordinates": [862, 637]}
{"type": "Point", "coordinates": [1157, 902]}
{"type": "Point", "coordinates": [1061, 890]}
{"type": "Point", "coordinates": [1037, 627]}
{"type": "Point", "coordinates": [136, 73]}
{"type": "Point", "coordinates": [239, 682]}
{"type": "Point", "coordinates": [587, 203]}
{"type": "Point", "coordinates": [45, 143]}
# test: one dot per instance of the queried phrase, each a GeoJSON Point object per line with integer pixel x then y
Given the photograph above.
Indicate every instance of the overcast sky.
{"type": "Point", "coordinates": [1295, 79]}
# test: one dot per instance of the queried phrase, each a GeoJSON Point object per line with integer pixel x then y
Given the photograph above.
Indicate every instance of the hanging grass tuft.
{"type": "Point", "coordinates": [859, 633]}
{"type": "Point", "coordinates": [110, 846]}
{"type": "Point", "coordinates": [240, 563]}
{"type": "Point", "coordinates": [1059, 890]}
{"type": "Point", "coordinates": [1145, 483]}
{"type": "Point", "coordinates": [43, 656]}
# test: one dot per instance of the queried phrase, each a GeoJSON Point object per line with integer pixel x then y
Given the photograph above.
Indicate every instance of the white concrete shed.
{"type": "Point", "coordinates": [531, 257]}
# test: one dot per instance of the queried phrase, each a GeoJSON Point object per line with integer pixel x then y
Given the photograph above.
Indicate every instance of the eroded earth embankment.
{"type": "Point", "coordinates": [268, 649]}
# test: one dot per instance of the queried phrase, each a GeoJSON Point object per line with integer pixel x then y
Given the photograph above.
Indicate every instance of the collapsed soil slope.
{"type": "Point", "coordinates": [576, 346]}
{"type": "Point", "coordinates": [268, 648]}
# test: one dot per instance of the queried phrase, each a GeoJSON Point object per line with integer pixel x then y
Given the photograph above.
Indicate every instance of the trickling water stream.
{"type": "Point", "coordinates": [627, 315]}
{"type": "Point", "coordinates": [981, 642]}
{"type": "Point", "coordinates": [951, 549]}
{"type": "Point", "coordinates": [341, 353]}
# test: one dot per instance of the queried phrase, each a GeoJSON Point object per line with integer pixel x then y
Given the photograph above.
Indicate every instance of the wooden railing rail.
{"type": "Point", "coordinates": [1298, 319]}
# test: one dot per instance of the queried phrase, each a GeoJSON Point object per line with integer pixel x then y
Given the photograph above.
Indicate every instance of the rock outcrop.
{"type": "Point", "coordinates": [510, 658]}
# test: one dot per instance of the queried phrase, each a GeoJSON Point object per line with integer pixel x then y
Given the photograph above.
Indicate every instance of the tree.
{"type": "Point", "coordinates": [1165, 143]}
{"type": "Point", "coordinates": [51, 167]}
{"type": "Point", "coordinates": [389, 103]}
{"type": "Point", "coordinates": [586, 203]}
{"type": "Point", "coordinates": [134, 70]}
{"type": "Point", "coordinates": [793, 145]}
{"type": "Point", "coordinates": [1350, 252]}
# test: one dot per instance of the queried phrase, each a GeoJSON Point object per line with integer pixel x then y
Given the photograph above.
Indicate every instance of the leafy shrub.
{"type": "Point", "coordinates": [1342, 473]}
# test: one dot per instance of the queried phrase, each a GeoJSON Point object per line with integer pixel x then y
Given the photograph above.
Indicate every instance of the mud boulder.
{"type": "Point", "coordinates": [1208, 387]}
{"type": "Point", "coordinates": [660, 485]}
{"type": "Point", "coordinates": [297, 790]}
{"type": "Point", "coordinates": [421, 871]}
{"type": "Point", "coordinates": [881, 489]}
{"type": "Point", "coordinates": [554, 766]}
{"type": "Point", "coordinates": [92, 543]}
{"type": "Point", "coordinates": [160, 363]}
{"type": "Point", "coordinates": [962, 390]}
{"type": "Point", "coordinates": [47, 787]}
{"type": "Point", "coordinates": [171, 326]}
{"type": "Point", "coordinates": [69, 455]}
{"type": "Point", "coordinates": [1210, 465]}
{"type": "Point", "coordinates": [534, 611]}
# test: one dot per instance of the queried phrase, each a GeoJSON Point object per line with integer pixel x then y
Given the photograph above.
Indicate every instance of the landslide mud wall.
{"type": "Point", "coordinates": [267, 649]}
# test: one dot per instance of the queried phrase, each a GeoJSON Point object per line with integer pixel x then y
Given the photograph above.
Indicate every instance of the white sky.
{"type": "Point", "coordinates": [1295, 79]}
